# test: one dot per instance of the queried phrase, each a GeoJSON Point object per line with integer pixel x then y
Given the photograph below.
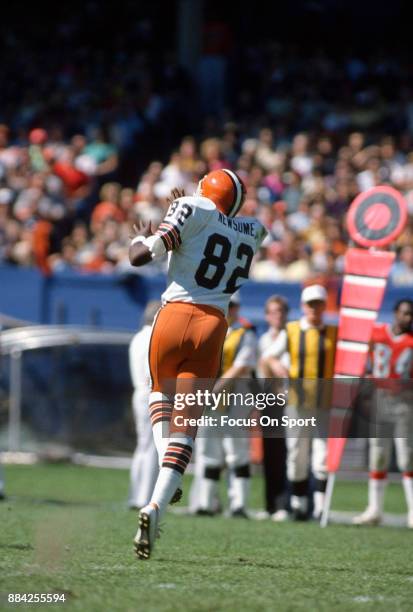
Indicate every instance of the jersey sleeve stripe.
{"type": "Point", "coordinates": [166, 241]}
{"type": "Point", "coordinates": [173, 230]}
{"type": "Point", "coordinates": [170, 236]}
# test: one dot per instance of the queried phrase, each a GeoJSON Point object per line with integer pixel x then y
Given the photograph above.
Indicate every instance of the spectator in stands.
{"type": "Point", "coordinates": [304, 149]}
{"type": "Point", "coordinates": [402, 271]}
{"type": "Point", "coordinates": [271, 267]}
{"type": "Point", "coordinates": [308, 233]}
{"type": "Point", "coordinates": [102, 153]}
{"type": "Point", "coordinates": [66, 260]}
{"type": "Point", "coordinates": [108, 208]}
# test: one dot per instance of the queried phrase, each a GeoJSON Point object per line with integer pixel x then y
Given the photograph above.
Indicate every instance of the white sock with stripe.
{"type": "Point", "coordinates": [175, 461]}
{"type": "Point", "coordinates": [160, 410]}
{"type": "Point", "coordinates": [161, 439]}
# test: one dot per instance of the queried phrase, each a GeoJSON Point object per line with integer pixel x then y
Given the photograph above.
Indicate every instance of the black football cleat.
{"type": "Point", "coordinates": [204, 512]}
{"type": "Point", "coordinates": [299, 516]}
{"type": "Point", "coordinates": [239, 513]}
{"type": "Point", "coordinates": [177, 496]}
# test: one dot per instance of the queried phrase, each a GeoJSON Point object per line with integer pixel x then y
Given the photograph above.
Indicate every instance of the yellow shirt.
{"type": "Point", "coordinates": [312, 353]}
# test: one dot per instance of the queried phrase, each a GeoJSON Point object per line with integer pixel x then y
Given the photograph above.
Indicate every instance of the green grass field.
{"type": "Point", "coordinates": [67, 529]}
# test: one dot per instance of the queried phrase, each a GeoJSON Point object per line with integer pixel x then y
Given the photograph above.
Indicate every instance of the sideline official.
{"type": "Point", "coordinates": [311, 347]}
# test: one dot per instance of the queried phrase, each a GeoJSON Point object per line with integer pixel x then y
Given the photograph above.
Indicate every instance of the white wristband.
{"type": "Point", "coordinates": [138, 239]}
{"type": "Point", "coordinates": [155, 245]}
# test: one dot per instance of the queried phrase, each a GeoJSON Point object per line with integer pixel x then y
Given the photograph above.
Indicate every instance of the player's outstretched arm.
{"type": "Point", "coordinates": [147, 245]}
{"type": "Point", "coordinates": [139, 253]}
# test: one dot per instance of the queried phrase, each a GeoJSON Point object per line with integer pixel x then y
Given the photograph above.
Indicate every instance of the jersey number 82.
{"type": "Point", "coordinates": [212, 267]}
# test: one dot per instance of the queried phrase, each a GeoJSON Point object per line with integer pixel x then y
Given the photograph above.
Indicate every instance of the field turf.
{"type": "Point", "coordinates": [66, 529]}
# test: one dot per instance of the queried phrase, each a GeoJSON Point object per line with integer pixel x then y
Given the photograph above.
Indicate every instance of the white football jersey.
{"type": "Point", "coordinates": [209, 254]}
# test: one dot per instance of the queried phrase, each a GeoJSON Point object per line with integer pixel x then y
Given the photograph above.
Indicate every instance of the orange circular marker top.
{"type": "Point", "coordinates": [377, 217]}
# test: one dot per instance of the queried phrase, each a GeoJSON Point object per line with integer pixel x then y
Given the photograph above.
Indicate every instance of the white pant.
{"type": "Point", "coordinates": [227, 451]}
{"type": "Point", "coordinates": [144, 468]}
{"type": "Point", "coordinates": [215, 452]}
{"type": "Point", "coordinates": [394, 421]}
{"type": "Point", "coordinates": [380, 454]}
{"type": "Point", "coordinates": [1, 478]}
{"type": "Point", "coordinates": [300, 445]}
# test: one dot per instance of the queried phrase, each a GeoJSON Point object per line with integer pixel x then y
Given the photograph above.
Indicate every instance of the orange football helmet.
{"type": "Point", "coordinates": [225, 189]}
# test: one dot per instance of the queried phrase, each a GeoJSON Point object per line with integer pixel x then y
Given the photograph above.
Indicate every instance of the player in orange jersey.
{"type": "Point", "coordinates": [392, 360]}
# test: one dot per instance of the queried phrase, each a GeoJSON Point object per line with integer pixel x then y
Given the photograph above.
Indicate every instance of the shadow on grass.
{"type": "Point", "coordinates": [51, 501]}
{"type": "Point", "coordinates": [243, 562]}
{"type": "Point", "coordinates": [16, 546]}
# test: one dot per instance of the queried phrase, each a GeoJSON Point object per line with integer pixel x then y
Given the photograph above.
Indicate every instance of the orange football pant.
{"type": "Point", "coordinates": [186, 345]}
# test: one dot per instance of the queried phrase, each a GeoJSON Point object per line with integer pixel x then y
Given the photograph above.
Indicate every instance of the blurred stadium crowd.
{"type": "Point", "coordinates": [102, 136]}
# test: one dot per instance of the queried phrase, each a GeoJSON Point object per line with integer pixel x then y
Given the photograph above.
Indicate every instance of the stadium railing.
{"type": "Point", "coordinates": [65, 387]}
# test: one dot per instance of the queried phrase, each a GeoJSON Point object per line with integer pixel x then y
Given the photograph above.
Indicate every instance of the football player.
{"type": "Point", "coordinates": [392, 358]}
{"type": "Point", "coordinates": [210, 254]}
{"type": "Point", "coordinates": [2, 493]}
{"type": "Point", "coordinates": [239, 357]}
{"type": "Point", "coordinates": [144, 466]}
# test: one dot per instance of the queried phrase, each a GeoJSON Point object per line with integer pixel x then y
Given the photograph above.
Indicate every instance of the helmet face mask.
{"type": "Point", "coordinates": [225, 189]}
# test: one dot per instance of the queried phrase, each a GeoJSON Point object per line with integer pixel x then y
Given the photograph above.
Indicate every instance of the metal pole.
{"type": "Point", "coordinates": [327, 502]}
{"type": "Point", "coordinates": [15, 399]}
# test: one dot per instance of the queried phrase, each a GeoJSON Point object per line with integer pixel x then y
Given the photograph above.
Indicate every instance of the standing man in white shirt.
{"type": "Point", "coordinates": [144, 468]}
{"type": "Point", "coordinates": [311, 346]}
{"type": "Point", "coordinates": [274, 450]}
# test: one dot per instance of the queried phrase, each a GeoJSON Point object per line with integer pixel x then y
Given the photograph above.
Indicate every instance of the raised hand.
{"type": "Point", "coordinates": [175, 194]}
{"type": "Point", "coordinates": [141, 228]}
